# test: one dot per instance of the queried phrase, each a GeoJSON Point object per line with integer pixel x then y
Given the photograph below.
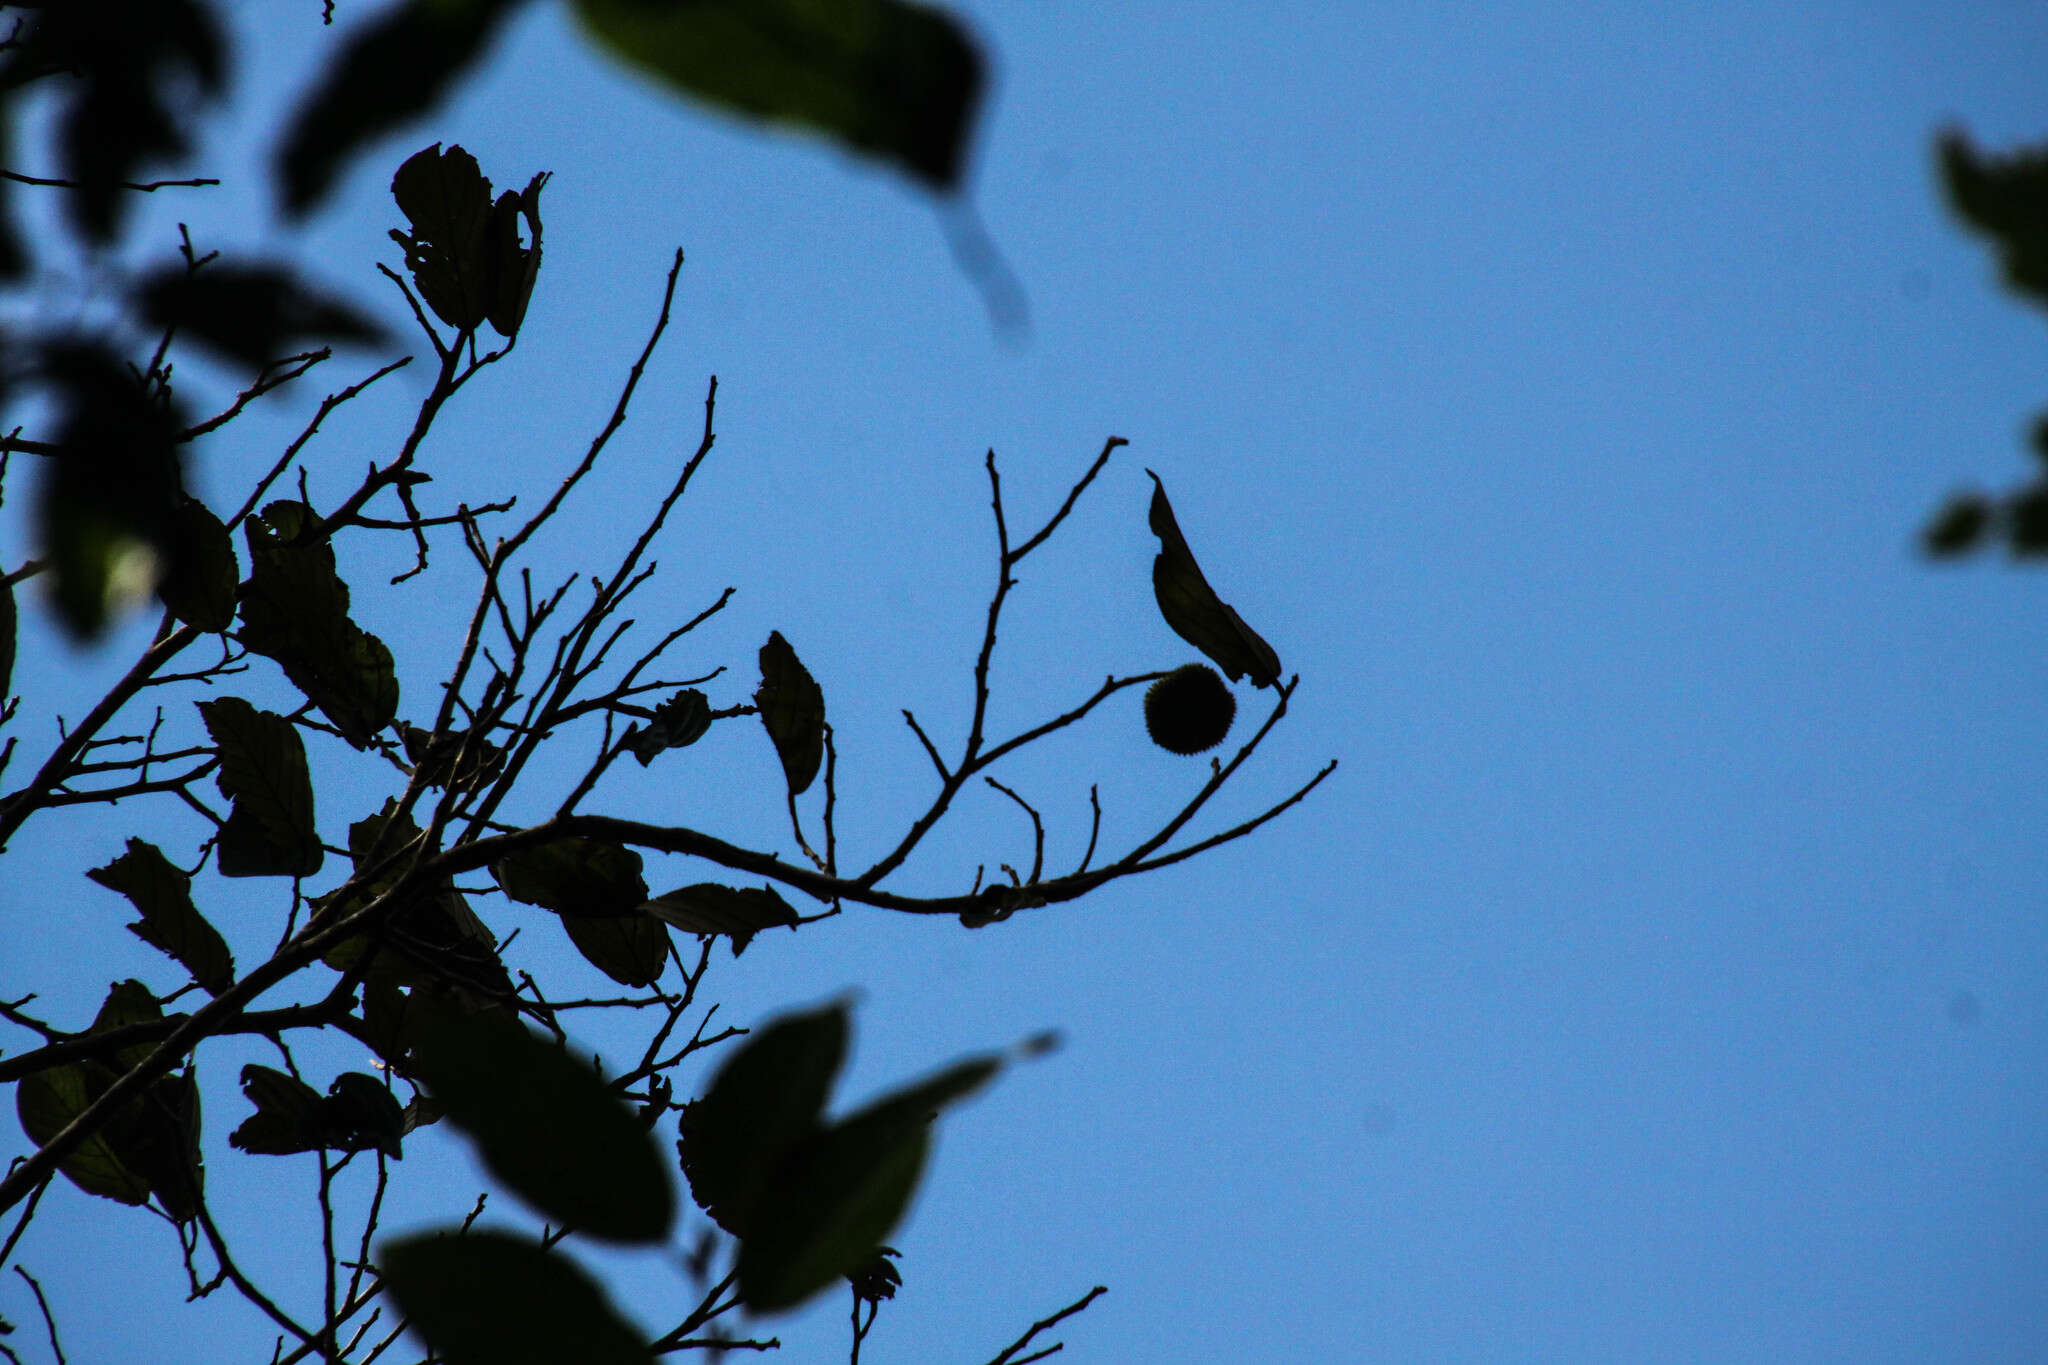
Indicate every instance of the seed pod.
{"type": "Point", "coordinates": [1189, 710]}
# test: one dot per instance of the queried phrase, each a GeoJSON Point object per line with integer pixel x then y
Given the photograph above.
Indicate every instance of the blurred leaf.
{"type": "Point", "coordinates": [170, 922]}
{"type": "Point", "coordinates": [793, 711]}
{"type": "Point", "coordinates": [708, 908]}
{"type": "Point", "coordinates": [108, 507]}
{"type": "Point", "coordinates": [809, 1201]}
{"type": "Point", "coordinates": [9, 623]}
{"type": "Point", "coordinates": [295, 610]}
{"type": "Point", "coordinates": [840, 1192]}
{"type": "Point", "coordinates": [13, 255]}
{"type": "Point", "coordinates": [2026, 519]}
{"type": "Point", "coordinates": [545, 1124]}
{"type": "Point", "coordinates": [891, 80]}
{"type": "Point", "coordinates": [1958, 528]}
{"type": "Point", "coordinates": [133, 68]}
{"type": "Point", "coordinates": [677, 723]}
{"type": "Point", "coordinates": [490, 1298]}
{"type": "Point", "coordinates": [392, 69]}
{"type": "Point", "coordinates": [270, 830]}
{"type": "Point", "coordinates": [199, 583]}
{"type": "Point", "coordinates": [1194, 610]}
{"type": "Point", "coordinates": [631, 949]}
{"type": "Point", "coordinates": [2006, 199]}
{"type": "Point", "coordinates": [767, 1097]}
{"type": "Point", "coordinates": [249, 313]}
{"type": "Point", "coordinates": [584, 877]}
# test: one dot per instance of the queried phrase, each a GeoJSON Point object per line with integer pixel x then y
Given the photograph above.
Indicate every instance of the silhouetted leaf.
{"type": "Point", "coordinates": [680, 721]}
{"type": "Point", "coordinates": [768, 1096]}
{"type": "Point", "coordinates": [392, 69]}
{"type": "Point", "coordinates": [357, 1113]}
{"type": "Point", "coordinates": [199, 584]}
{"type": "Point", "coordinates": [433, 937]}
{"type": "Point", "coordinates": [437, 757]}
{"type": "Point", "coordinates": [387, 1018]}
{"type": "Point", "coordinates": [464, 250]}
{"type": "Point", "coordinates": [2006, 199]}
{"type": "Point", "coordinates": [708, 908]}
{"type": "Point", "coordinates": [149, 1146]}
{"type": "Point", "coordinates": [127, 1002]}
{"type": "Point", "coordinates": [361, 1113]}
{"type": "Point", "coordinates": [631, 949]}
{"type": "Point", "coordinates": [270, 830]}
{"type": "Point", "coordinates": [249, 313]}
{"type": "Point", "coordinates": [107, 511]}
{"type": "Point", "coordinates": [131, 67]}
{"type": "Point", "coordinates": [287, 1118]}
{"type": "Point", "coordinates": [47, 1101]}
{"type": "Point", "coordinates": [895, 81]}
{"type": "Point", "coordinates": [448, 251]}
{"type": "Point", "coordinates": [490, 1298]}
{"type": "Point", "coordinates": [1194, 610]}
{"type": "Point", "coordinates": [170, 922]}
{"type": "Point", "coordinates": [877, 1278]}
{"type": "Point", "coordinates": [793, 710]}
{"type": "Point", "coordinates": [841, 1191]}
{"type": "Point", "coordinates": [584, 877]}
{"type": "Point", "coordinates": [295, 610]}
{"type": "Point", "coordinates": [158, 1138]}
{"type": "Point", "coordinates": [545, 1124]}
{"type": "Point", "coordinates": [514, 267]}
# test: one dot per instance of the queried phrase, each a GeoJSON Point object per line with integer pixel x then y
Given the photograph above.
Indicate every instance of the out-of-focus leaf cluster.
{"type": "Point", "coordinates": [2005, 200]}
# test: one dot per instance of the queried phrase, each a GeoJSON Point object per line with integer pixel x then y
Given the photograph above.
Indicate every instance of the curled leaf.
{"type": "Point", "coordinates": [1194, 610]}
{"type": "Point", "coordinates": [792, 710]}
{"type": "Point", "coordinates": [680, 721]}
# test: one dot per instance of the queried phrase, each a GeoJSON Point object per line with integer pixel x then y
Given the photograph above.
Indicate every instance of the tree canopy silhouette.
{"type": "Point", "coordinates": [274, 708]}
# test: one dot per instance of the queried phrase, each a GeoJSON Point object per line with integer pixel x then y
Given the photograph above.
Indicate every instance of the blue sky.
{"type": "Point", "coordinates": [1662, 976]}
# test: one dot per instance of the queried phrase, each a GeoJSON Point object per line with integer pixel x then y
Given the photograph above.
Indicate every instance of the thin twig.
{"type": "Point", "coordinates": [1006, 1356]}
{"type": "Point", "coordinates": [49, 1321]}
{"type": "Point", "coordinates": [144, 187]}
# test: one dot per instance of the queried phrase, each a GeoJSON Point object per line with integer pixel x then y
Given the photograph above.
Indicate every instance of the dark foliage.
{"type": "Point", "coordinates": [384, 946]}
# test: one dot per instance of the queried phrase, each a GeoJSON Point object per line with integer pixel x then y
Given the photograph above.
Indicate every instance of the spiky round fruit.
{"type": "Point", "coordinates": [1189, 710]}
